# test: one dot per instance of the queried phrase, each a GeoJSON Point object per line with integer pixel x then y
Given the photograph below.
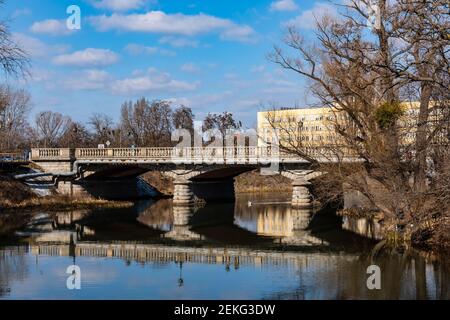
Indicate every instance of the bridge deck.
{"type": "Point", "coordinates": [238, 155]}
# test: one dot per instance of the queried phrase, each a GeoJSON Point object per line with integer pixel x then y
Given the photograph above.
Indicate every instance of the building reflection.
{"type": "Point", "coordinates": [279, 220]}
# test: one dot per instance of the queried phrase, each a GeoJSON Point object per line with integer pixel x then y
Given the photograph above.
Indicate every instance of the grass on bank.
{"type": "Point", "coordinates": [62, 203]}
{"type": "Point", "coordinates": [15, 195]}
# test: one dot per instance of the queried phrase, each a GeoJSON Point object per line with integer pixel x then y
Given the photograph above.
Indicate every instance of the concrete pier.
{"type": "Point", "coordinates": [301, 197]}
{"type": "Point", "coordinates": [183, 194]}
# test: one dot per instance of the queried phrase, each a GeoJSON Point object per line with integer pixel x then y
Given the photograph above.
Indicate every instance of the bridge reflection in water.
{"type": "Point", "coordinates": [268, 225]}
{"type": "Point", "coordinates": [265, 246]}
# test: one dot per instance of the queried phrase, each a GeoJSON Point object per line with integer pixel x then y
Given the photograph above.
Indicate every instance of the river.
{"type": "Point", "coordinates": [256, 248]}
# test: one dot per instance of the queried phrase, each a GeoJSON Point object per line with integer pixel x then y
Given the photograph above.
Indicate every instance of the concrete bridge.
{"type": "Point", "coordinates": [204, 173]}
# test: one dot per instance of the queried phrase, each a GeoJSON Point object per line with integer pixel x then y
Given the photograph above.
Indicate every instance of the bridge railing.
{"type": "Point", "coordinates": [52, 154]}
{"type": "Point", "coordinates": [194, 154]}
{"type": "Point", "coordinates": [238, 154]}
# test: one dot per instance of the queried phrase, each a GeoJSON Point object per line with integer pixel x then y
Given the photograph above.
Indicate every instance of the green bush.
{"type": "Point", "coordinates": [388, 113]}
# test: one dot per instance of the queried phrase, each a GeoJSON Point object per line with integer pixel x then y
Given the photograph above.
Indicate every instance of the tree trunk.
{"type": "Point", "coordinates": [421, 139]}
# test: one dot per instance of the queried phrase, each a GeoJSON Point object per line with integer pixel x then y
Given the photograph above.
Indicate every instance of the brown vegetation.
{"type": "Point", "coordinates": [159, 181]}
{"type": "Point", "coordinates": [62, 203]}
{"type": "Point", "coordinates": [14, 195]}
{"type": "Point", "coordinates": [362, 74]}
{"type": "Point", "coordinates": [13, 191]}
{"type": "Point", "coordinates": [254, 182]}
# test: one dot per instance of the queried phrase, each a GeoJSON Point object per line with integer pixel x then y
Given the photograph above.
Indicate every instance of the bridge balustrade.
{"type": "Point", "coordinates": [52, 153]}
{"type": "Point", "coordinates": [91, 153]}
{"type": "Point", "coordinates": [239, 154]}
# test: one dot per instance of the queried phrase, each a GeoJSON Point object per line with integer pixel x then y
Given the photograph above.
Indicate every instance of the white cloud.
{"type": "Point", "coordinates": [36, 48]}
{"type": "Point", "coordinates": [118, 5]}
{"type": "Point", "coordinates": [190, 68]}
{"type": "Point", "coordinates": [208, 100]}
{"type": "Point", "coordinates": [179, 24]}
{"type": "Point", "coordinates": [137, 49]}
{"type": "Point", "coordinates": [180, 101]}
{"type": "Point", "coordinates": [152, 81]}
{"type": "Point", "coordinates": [52, 27]}
{"type": "Point", "coordinates": [246, 104]}
{"type": "Point", "coordinates": [41, 75]}
{"type": "Point", "coordinates": [239, 33]}
{"type": "Point", "coordinates": [178, 42]}
{"type": "Point", "coordinates": [258, 69]}
{"type": "Point", "coordinates": [91, 79]}
{"type": "Point", "coordinates": [21, 12]}
{"type": "Point", "coordinates": [308, 18]}
{"type": "Point", "coordinates": [283, 5]}
{"type": "Point", "coordinates": [88, 57]}
{"type": "Point", "coordinates": [231, 76]}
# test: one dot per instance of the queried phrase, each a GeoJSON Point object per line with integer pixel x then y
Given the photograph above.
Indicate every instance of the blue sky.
{"type": "Point", "coordinates": [209, 55]}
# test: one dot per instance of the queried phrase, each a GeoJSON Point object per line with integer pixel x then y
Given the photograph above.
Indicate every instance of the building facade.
{"type": "Point", "coordinates": [316, 126]}
{"type": "Point", "coordinates": [312, 126]}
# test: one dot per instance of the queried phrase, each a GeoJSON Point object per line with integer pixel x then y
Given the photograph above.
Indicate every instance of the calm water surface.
{"type": "Point", "coordinates": [257, 248]}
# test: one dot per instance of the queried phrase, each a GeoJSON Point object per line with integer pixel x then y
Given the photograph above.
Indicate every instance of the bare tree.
{"type": "Point", "coordinates": [49, 128]}
{"type": "Point", "coordinates": [13, 59]}
{"type": "Point", "coordinates": [103, 127]}
{"type": "Point", "coordinates": [159, 124]}
{"type": "Point", "coordinates": [147, 124]}
{"type": "Point", "coordinates": [183, 118]}
{"type": "Point", "coordinates": [364, 77]}
{"type": "Point", "coordinates": [221, 122]}
{"type": "Point", "coordinates": [14, 109]}
{"type": "Point", "coordinates": [133, 117]}
{"type": "Point", "coordinates": [76, 136]}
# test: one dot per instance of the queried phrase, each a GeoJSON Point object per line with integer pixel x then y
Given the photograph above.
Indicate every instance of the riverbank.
{"type": "Point", "coordinates": [16, 196]}
{"type": "Point", "coordinates": [249, 182]}
{"type": "Point", "coordinates": [432, 234]}
{"type": "Point", "coordinates": [62, 203]}
{"type": "Point", "coordinates": [254, 182]}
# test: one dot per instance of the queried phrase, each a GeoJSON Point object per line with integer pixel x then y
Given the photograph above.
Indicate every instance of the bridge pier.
{"type": "Point", "coordinates": [301, 218]}
{"type": "Point", "coordinates": [183, 194]}
{"type": "Point", "coordinates": [301, 197]}
{"type": "Point", "coordinates": [181, 215]}
{"type": "Point", "coordinates": [181, 228]}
